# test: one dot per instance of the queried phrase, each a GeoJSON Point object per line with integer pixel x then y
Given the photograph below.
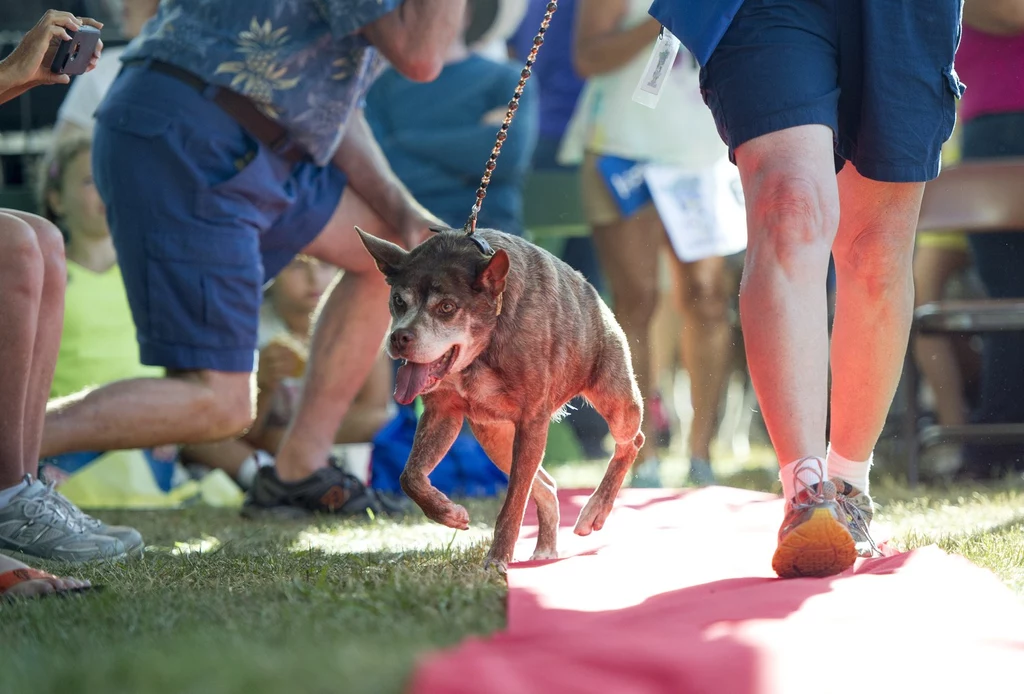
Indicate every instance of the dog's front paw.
{"type": "Point", "coordinates": [540, 554]}
{"type": "Point", "coordinates": [501, 565]}
{"type": "Point", "coordinates": [452, 515]}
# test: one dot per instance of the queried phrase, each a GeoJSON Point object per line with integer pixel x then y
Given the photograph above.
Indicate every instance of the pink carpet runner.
{"type": "Point", "coordinates": [677, 594]}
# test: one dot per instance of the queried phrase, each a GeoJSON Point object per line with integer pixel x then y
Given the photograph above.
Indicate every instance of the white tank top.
{"type": "Point", "coordinates": [680, 131]}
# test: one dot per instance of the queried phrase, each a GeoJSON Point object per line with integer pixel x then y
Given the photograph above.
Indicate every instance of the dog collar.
{"type": "Point", "coordinates": [481, 243]}
{"type": "Point", "coordinates": [497, 311]}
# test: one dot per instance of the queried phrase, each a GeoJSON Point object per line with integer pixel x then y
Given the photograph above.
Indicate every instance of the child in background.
{"type": "Point", "coordinates": [98, 342]}
{"type": "Point", "coordinates": [284, 348]}
{"type": "Point", "coordinates": [286, 319]}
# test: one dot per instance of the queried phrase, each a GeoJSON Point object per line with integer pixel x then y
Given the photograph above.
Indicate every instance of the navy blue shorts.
{"type": "Point", "coordinates": [202, 216]}
{"type": "Point", "coordinates": [879, 73]}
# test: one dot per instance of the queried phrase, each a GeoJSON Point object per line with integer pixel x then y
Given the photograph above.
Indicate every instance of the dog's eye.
{"type": "Point", "coordinates": [398, 301]}
{"type": "Point", "coordinates": [446, 307]}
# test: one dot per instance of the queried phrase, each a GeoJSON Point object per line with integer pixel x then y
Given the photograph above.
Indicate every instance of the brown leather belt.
{"type": "Point", "coordinates": [240, 108]}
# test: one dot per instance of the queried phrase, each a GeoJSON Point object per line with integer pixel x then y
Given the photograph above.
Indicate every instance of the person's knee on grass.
{"type": "Point", "coordinates": [224, 406]}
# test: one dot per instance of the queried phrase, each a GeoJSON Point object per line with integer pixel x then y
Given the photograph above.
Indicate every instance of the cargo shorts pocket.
{"type": "Point", "coordinates": [205, 288]}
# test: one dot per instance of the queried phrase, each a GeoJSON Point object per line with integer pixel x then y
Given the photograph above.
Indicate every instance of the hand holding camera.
{"type": "Point", "coordinates": [58, 46]}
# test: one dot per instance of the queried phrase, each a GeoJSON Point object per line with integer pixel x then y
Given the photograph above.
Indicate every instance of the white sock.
{"type": "Point", "coordinates": [247, 471]}
{"type": "Point", "coordinates": [7, 494]}
{"type": "Point", "coordinates": [851, 471]}
{"type": "Point", "coordinates": [810, 472]}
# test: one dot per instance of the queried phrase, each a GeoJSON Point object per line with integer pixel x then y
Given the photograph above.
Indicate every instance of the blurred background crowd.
{"type": "Point", "coordinates": [647, 208]}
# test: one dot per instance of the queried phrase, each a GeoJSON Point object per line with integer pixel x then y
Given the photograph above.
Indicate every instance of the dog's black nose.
{"type": "Point", "coordinates": [401, 338]}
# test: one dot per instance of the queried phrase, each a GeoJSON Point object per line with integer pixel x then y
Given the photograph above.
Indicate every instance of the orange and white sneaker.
{"type": "Point", "coordinates": [815, 538]}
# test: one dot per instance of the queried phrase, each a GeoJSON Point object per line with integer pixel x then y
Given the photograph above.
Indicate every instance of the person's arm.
{"type": "Point", "coordinates": [464, 151]}
{"type": "Point", "coordinates": [370, 175]}
{"type": "Point", "coordinates": [28, 65]}
{"type": "Point", "coordinates": [599, 45]}
{"type": "Point", "coordinates": [999, 17]}
{"type": "Point", "coordinates": [416, 36]}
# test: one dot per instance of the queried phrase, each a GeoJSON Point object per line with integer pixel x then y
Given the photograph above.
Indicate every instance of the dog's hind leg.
{"type": "Point", "coordinates": [616, 396]}
{"type": "Point", "coordinates": [545, 496]}
{"type": "Point", "coordinates": [435, 434]}
{"type": "Point", "coordinates": [496, 438]}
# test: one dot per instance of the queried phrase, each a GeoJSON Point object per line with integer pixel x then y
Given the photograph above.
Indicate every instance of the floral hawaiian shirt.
{"type": "Point", "coordinates": [301, 62]}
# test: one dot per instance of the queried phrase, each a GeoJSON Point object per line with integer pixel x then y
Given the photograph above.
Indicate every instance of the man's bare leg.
{"type": "Point", "coordinates": [49, 326]}
{"type": "Point", "coordinates": [193, 407]}
{"type": "Point", "coordinates": [874, 253]}
{"type": "Point", "coordinates": [347, 339]}
{"type": "Point", "coordinates": [792, 216]}
{"type": "Point", "coordinates": [21, 281]}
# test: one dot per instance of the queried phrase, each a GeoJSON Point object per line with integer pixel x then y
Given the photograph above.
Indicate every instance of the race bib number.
{"type": "Point", "coordinates": [703, 212]}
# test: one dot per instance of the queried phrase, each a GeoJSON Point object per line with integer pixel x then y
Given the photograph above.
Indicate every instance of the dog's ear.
{"type": "Point", "coordinates": [492, 277]}
{"type": "Point", "coordinates": [388, 256]}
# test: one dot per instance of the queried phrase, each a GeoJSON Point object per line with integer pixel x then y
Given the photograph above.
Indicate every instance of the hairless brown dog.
{"type": "Point", "coordinates": [504, 334]}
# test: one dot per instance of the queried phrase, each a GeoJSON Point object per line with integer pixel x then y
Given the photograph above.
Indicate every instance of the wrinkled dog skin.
{"type": "Point", "coordinates": [504, 341]}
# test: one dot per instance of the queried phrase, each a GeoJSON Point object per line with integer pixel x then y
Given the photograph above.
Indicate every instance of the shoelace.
{"type": "Point", "coordinates": [87, 521]}
{"type": "Point", "coordinates": [856, 519]}
{"type": "Point", "coordinates": [80, 516]}
{"type": "Point", "coordinates": [47, 509]}
{"type": "Point", "coordinates": [811, 494]}
{"type": "Point", "coordinates": [825, 490]}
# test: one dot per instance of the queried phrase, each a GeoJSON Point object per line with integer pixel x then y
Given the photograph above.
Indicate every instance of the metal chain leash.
{"type": "Point", "coordinates": [513, 106]}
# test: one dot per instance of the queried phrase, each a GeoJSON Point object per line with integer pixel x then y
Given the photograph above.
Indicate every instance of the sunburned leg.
{"type": "Point", "coordinates": [874, 302]}
{"type": "Point", "coordinates": [792, 216]}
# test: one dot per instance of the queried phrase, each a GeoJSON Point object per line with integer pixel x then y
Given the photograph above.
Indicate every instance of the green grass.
{"type": "Point", "coordinates": [220, 604]}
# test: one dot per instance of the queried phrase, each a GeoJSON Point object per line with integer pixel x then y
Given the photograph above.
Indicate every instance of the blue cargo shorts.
{"type": "Point", "coordinates": [202, 215]}
{"type": "Point", "coordinates": [879, 73]}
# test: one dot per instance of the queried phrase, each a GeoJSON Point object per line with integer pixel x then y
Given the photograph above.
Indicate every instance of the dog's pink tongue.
{"type": "Point", "coordinates": [410, 381]}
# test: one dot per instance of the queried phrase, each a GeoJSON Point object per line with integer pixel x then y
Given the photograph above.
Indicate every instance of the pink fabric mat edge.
{"type": "Point", "coordinates": [676, 594]}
